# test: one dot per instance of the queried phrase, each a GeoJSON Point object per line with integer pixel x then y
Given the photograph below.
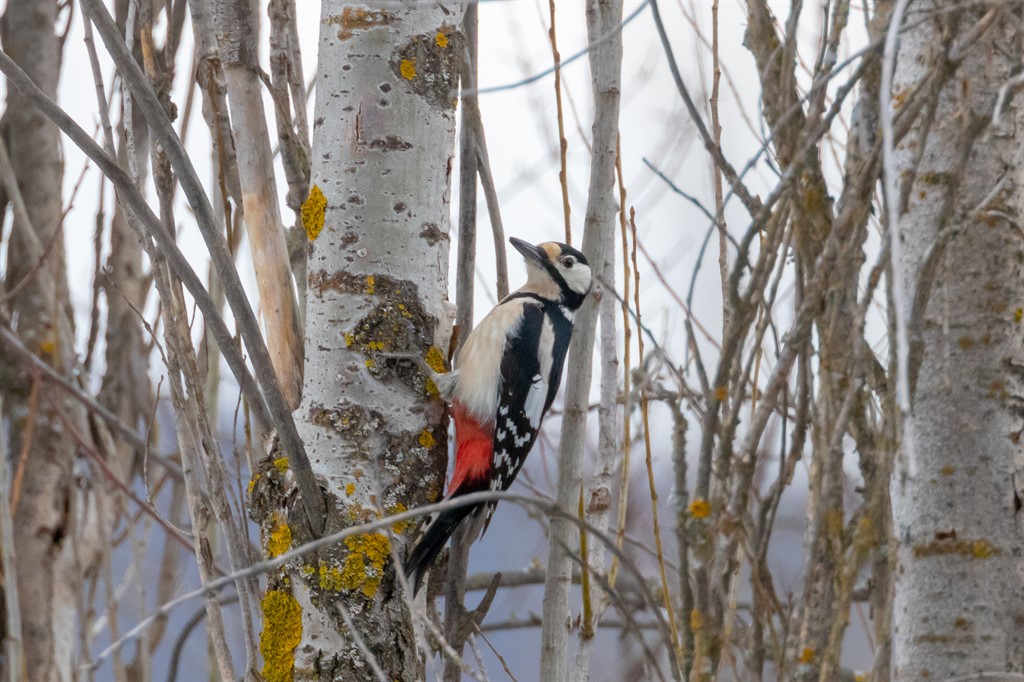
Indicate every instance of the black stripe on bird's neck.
{"type": "Point", "coordinates": [556, 309]}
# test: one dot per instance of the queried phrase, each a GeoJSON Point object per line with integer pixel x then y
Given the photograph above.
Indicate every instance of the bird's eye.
{"type": "Point", "coordinates": [568, 262]}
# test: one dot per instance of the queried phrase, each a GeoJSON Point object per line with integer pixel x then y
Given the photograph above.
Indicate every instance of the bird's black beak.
{"type": "Point", "coordinates": [529, 251]}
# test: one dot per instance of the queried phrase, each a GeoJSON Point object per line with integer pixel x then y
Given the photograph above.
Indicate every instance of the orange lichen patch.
{"type": "Point", "coordinates": [721, 393]}
{"type": "Point", "coordinates": [407, 69]}
{"type": "Point", "coordinates": [282, 632]}
{"type": "Point", "coordinates": [350, 488]}
{"type": "Point", "coordinates": [965, 342]}
{"type": "Point", "coordinates": [696, 620]}
{"type": "Point", "coordinates": [354, 19]}
{"type": "Point", "coordinates": [948, 470]}
{"type": "Point", "coordinates": [427, 439]}
{"type": "Point", "coordinates": [281, 464]}
{"type": "Point", "coordinates": [699, 508]}
{"type": "Point", "coordinates": [280, 539]}
{"type": "Point", "coordinates": [47, 347]}
{"type": "Point", "coordinates": [363, 568]}
{"type": "Point", "coordinates": [441, 39]}
{"type": "Point", "coordinates": [806, 655]}
{"type": "Point", "coordinates": [312, 212]}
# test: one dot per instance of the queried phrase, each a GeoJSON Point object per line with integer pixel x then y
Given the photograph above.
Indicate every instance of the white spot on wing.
{"type": "Point", "coordinates": [533, 407]}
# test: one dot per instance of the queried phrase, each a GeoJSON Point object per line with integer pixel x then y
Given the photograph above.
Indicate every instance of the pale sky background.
{"type": "Point", "coordinates": [522, 140]}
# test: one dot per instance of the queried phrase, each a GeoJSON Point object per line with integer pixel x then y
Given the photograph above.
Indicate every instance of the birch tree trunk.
{"type": "Point", "coordinates": [959, 595]}
{"type": "Point", "coordinates": [377, 217]}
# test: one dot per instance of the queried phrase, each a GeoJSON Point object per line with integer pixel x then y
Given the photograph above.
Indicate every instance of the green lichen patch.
{"type": "Point", "coordinates": [282, 632]}
{"type": "Point", "coordinates": [429, 65]}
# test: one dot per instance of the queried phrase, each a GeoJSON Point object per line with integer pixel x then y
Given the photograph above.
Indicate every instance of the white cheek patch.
{"type": "Point", "coordinates": [577, 277]}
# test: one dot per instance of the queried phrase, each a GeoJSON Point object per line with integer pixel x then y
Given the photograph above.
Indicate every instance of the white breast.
{"type": "Point", "coordinates": [479, 362]}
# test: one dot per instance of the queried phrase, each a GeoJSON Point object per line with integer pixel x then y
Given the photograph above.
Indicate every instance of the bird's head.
{"type": "Point", "coordinates": [556, 272]}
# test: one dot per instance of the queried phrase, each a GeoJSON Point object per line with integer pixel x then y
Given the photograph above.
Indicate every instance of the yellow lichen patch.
{"type": "Point", "coordinates": [330, 578]}
{"type": "Point", "coordinates": [1018, 314]}
{"type": "Point", "coordinates": [371, 284]}
{"type": "Point", "coordinates": [407, 69]}
{"type": "Point", "coordinates": [364, 565]}
{"type": "Point", "coordinates": [349, 340]}
{"type": "Point", "coordinates": [282, 632]}
{"type": "Point", "coordinates": [427, 439]}
{"type": "Point", "coordinates": [252, 482]}
{"type": "Point", "coordinates": [948, 470]}
{"type": "Point", "coordinates": [721, 393]}
{"type": "Point", "coordinates": [47, 347]}
{"type": "Point", "coordinates": [312, 212]}
{"type": "Point", "coordinates": [806, 655]}
{"type": "Point", "coordinates": [948, 544]}
{"type": "Point", "coordinates": [307, 570]}
{"type": "Point", "coordinates": [350, 488]}
{"type": "Point", "coordinates": [441, 39]}
{"type": "Point", "coordinates": [699, 508]}
{"type": "Point", "coordinates": [434, 358]}
{"type": "Point", "coordinates": [281, 464]}
{"type": "Point", "coordinates": [399, 526]}
{"type": "Point", "coordinates": [370, 364]}
{"type": "Point", "coordinates": [280, 539]}
{"type": "Point", "coordinates": [982, 549]}
{"type": "Point", "coordinates": [834, 522]}
{"type": "Point", "coordinates": [696, 620]}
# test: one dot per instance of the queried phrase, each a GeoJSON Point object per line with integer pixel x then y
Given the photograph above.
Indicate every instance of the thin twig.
{"type": "Point", "coordinates": [12, 601]}
{"type": "Point", "coordinates": [563, 145]}
{"type": "Point", "coordinates": [898, 284]}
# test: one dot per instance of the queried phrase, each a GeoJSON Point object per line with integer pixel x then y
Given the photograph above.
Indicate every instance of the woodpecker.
{"type": "Point", "coordinates": [506, 377]}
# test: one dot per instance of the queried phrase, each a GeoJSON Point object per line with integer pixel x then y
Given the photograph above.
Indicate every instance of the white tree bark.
{"type": "Point", "coordinates": [959, 526]}
{"type": "Point", "coordinates": [378, 220]}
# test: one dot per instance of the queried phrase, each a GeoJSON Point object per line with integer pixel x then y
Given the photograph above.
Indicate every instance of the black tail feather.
{"type": "Point", "coordinates": [431, 543]}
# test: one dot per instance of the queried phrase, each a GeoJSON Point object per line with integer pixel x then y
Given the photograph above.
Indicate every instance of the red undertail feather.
{"type": "Point", "coordinates": [474, 447]}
